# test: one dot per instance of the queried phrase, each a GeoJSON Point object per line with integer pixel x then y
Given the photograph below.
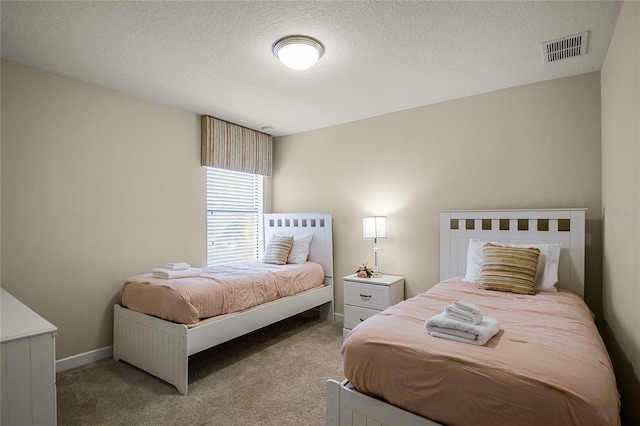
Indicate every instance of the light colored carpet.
{"type": "Point", "coordinates": [273, 376]}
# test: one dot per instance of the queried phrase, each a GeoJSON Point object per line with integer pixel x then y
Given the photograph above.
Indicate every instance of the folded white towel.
{"type": "Point", "coordinates": [453, 312]}
{"type": "Point", "coordinates": [477, 334]}
{"type": "Point", "coordinates": [180, 266]}
{"type": "Point", "coordinates": [167, 274]}
{"type": "Point", "coordinates": [467, 306]}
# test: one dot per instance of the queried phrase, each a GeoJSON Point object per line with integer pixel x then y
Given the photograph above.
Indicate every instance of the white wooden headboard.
{"type": "Point", "coordinates": [318, 224]}
{"type": "Point", "coordinates": [565, 227]}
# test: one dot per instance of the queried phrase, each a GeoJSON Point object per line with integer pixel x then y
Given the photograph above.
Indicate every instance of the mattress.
{"type": "Point", "coordinates": [547, 365]}
{"type": "Point", "coordinates": [219, 290]}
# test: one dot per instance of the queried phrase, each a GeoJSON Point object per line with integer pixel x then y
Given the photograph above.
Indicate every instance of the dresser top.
{"type": "Point", "coordinates": [18, 321]}
{"type": "Point", "coordinates": [383, 280]}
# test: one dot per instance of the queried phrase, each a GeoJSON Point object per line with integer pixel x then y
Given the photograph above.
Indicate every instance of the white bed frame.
{"type": "Point", "coordinates": [348, 407]}
{"type": "Point", "coordinates": [162, 348]}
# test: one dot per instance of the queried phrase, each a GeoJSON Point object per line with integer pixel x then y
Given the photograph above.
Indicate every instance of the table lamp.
{"type": "Point", "coordinates": [374, 227]}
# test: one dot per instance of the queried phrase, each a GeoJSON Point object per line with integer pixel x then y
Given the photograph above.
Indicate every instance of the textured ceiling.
{"type": "Point", "coordinates": [215, 57]}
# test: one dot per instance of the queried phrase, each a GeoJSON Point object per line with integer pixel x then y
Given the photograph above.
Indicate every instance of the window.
{"type": "Point", "coordinates": [234, 216]}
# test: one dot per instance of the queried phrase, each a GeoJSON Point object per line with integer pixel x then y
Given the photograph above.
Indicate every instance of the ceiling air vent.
{"type": "Point", "coordinates": [565, 47]}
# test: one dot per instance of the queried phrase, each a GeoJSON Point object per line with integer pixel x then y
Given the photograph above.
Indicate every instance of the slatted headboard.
{"type": "Point", "coordinates": [565, 227]}
{"type": "Point", "coordinates": [318, 224]}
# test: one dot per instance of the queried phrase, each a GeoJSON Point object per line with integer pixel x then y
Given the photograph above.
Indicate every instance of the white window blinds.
{"type": "Point", "coordinates": [234, 216]}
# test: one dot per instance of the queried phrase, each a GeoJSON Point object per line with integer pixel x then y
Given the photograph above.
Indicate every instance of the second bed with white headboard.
{"type": "Point", "coordinates": [546, 365]}
{"type": "Point", "coordinates": [162, 348]}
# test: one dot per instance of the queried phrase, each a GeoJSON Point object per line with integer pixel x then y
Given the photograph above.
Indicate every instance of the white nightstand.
{"type": "Point", "coordinates": [365, 297]}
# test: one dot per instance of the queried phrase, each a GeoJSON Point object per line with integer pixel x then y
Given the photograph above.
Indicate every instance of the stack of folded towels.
{"type": "Point", "coordinates": [176, 270]}
{"type": "Point", "coordinates": [462, 321]}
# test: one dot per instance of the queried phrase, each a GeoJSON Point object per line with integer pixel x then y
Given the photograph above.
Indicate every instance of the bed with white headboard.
{"type": "Point", "coordinates": [562, 226]}
{"type": "Point", "coordinates": [162, 348]}
{"type": "Point", "coordinates": [462, 368]}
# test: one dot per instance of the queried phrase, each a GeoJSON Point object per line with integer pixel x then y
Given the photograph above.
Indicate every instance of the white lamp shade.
{"type": "Point", "coordinates": [374, 227]}
{"type": "Point", "coordinates": [298, 56]}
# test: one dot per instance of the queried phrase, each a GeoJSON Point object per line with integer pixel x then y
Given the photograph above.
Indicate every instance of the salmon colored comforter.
{"type": "Point", "coordinates": [219, 290]}
{"type": "Point", "coordinates": [547, 366]}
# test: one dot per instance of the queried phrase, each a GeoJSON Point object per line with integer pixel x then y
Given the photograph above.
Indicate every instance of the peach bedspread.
{"type": "Point", "coordinates": [219, 290]}
{"type": "Point", "coordinates": [547, 365]}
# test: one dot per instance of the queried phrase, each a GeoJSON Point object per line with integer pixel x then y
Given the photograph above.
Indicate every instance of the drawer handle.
{"type": "Point", "coordinates": [365, 296]}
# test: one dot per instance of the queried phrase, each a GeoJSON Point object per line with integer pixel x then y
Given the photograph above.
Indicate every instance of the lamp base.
{"type": "Point", "coordinates": [376, 272]}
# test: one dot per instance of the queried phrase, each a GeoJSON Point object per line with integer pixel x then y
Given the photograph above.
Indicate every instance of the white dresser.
{"type": "Point", "coordinates": [28, 372]}
{"type": "Point", "coordinates": [365, 297]}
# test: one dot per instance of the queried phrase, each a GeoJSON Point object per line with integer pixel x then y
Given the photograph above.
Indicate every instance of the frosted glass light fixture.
{"type": "Point", "coordinates": [374, 227]}
{"type": "Point", "coordinates": [298, 52]}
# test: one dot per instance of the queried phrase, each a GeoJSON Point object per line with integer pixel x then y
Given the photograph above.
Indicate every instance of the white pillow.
{"type": "Point", "coordinates": [300, 250]}
{"type": "Point", "coordinates": [474, 261]}
{"type": "Point", "coordinates": [546, 274]}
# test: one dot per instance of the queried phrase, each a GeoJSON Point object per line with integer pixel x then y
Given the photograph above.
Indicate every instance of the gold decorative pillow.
{"type": "Point", "coordinates": [510, 269]}
{"type": "Point", "coordinates": [278, 249]}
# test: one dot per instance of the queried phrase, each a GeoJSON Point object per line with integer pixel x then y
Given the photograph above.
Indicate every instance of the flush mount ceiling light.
{"type": "Point", "coordinates": [298, 52]}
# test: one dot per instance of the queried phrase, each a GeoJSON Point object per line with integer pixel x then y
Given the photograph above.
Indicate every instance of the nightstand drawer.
{"type": "Point", "coordinates": [354, 315]}
{"type": "Point", "coordinates": [370, 296]}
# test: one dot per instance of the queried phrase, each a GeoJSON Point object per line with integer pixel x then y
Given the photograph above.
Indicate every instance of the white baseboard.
{"type": "Point", "coordinates": [79, 360]}
{"type": "Point", "coordinates": [338, 318]}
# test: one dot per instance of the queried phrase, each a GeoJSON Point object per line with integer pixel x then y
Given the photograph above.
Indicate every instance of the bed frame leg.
{"type": "Point", "coordinates": [183, 388]}
{"type": "Point", "coordinates": [332, 417]}
{"type": "Point", "coordinates": [182, 381]}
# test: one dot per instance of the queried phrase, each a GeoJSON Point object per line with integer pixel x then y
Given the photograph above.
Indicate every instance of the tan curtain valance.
{"type": "Point", "coordinates": [232, 147]}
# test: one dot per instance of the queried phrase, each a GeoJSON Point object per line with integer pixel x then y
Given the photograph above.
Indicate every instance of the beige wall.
{"type": "Point", "coordinates": [621, 201]}
{"type": "Point", "coordinates": [535, 146]}
{"type": "Point", "coordinates": [96, 186]}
